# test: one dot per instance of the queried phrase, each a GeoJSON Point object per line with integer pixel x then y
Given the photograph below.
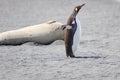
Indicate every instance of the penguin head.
{"type": "Point", "coordinates": [76, 9]}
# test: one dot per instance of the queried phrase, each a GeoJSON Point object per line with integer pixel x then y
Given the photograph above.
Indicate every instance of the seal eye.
{"type": "Point", "coordinates": [76, 9]}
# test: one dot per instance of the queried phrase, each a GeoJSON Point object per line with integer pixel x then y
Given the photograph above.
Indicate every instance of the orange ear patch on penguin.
{"type": "Point", "coordinates": [76, 9]}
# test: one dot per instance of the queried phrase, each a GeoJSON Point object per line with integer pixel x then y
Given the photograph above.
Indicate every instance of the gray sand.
{"type": "Point", "coordinates": [99, 51]}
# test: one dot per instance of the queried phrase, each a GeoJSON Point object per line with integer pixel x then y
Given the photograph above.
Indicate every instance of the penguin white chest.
{"type": "Point", "coordinates": [76, 37]}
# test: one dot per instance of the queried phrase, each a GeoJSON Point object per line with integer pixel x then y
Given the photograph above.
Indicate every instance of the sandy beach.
{"type": "Point", "coordinates": [99, 49]}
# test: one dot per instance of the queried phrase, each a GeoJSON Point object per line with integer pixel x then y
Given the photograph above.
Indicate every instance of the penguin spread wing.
{"type": "Point", "coordinates": [52, 21]}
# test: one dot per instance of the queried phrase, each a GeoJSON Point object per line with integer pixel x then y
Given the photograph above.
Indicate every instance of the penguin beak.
{"type": "Point", "coordinates": [77, 9]}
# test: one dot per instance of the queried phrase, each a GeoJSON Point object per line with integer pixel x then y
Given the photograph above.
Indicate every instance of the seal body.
{"type": "Point", "coordinates": [72, 37]}
{"type": "Point", "coordinates": [44, 33]}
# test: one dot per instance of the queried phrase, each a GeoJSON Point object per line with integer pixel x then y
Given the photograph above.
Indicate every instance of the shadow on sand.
{"type": "Point", "coordinates": [88, 57]}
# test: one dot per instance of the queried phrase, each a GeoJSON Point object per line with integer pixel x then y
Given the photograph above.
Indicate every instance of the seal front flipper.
{"type": "Point", "coordinates": [66, 27]}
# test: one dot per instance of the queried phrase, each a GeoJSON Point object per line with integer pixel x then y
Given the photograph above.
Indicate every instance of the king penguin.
{"type": "Point", "coordinates": [72, 32]}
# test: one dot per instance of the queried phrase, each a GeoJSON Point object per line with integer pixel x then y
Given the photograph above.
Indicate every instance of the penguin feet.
{"type": "Point", "coordinates": [71, 55]}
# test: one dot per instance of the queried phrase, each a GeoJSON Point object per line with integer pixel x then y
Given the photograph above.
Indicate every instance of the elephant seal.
{"type": "Point", "coordinates": [73, 32]}
{"type": "Point", "coordinates": [44, 33]}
